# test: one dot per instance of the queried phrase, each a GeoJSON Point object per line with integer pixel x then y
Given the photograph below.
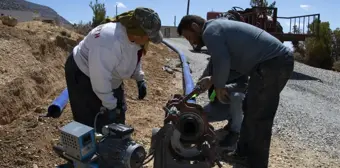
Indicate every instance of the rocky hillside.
{"type": "Point", "coordinates": [23, 5]}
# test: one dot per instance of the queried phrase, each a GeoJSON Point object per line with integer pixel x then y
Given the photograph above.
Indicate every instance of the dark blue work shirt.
{"type": "Point", "coordinates": [238, 46]}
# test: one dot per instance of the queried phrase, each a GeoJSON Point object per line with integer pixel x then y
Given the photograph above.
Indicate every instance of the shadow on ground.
{"type": "Point", "coordinates": [300, 76]}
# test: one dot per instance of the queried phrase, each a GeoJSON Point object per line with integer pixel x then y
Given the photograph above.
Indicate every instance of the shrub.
{"type": "Point", "coordinates": [336, 66]}
{"type": "Point", "coordinates": [82, 28]}
{"type": "Point", "coordinates": [318, 49]}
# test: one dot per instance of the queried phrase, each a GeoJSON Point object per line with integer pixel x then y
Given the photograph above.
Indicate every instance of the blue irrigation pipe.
{"type": "Point", "coordinates": [187, 79]}
{"type": "Point", "coordinates": [56, 108]}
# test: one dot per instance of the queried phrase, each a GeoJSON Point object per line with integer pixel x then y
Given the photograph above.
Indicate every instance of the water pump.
{"type": "Point", "coordinates": [118, 150]}
{"type": "Point", "coordinates": [115, 149]}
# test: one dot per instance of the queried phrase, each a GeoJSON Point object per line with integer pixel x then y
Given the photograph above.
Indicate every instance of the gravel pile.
{"type": "Point", "coordinates": [309, 111]}
{"type": "Point", "coordinates": [23, 5]}
{"type": "Point", "coordinates": [308, 117]}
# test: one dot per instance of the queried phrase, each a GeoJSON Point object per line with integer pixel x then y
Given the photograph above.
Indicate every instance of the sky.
{"type": "Point", "coordinates": [79, 10]}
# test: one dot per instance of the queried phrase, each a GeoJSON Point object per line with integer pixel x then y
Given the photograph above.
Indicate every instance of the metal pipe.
{"type": "Point", "coordinates": [298, 16]}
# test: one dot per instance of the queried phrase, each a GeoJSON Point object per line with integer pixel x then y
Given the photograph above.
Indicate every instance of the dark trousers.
{"type": "Point", "coordinates": [260, 106]}
{"type": "Point", "coordinates": [84, 102]}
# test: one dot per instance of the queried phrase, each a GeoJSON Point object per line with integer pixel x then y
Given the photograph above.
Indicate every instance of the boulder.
{"type": "Point", "coordinates": [9, 21]}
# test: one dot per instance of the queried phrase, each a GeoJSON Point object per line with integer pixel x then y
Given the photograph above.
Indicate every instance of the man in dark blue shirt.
{"type": "Point", "coordinates": [247, 50]}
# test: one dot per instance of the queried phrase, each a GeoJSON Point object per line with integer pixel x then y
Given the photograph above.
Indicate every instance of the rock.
{"type": "Point", "coordinates": [158, 91]}
{"type": "Point", "coordinates": [65, 33]}
{"type": "Point", "coordinates": [168, 69]}
{"type": "Point", "coordinates": [9, 21]}
{"type": "Point", "coordinates": [50, 21]}
{"type": "Point", "coordinates": [65, 42]}
{"type": "Point", "coordinates": [40, 110]}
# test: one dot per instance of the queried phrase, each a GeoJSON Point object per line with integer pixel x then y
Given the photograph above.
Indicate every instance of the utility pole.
{"type": "Point", "coordinates": [188, 6]}
{"type": "Point", "coordinates": [116, 10]}
{"type": "Point", "coordinates": [175, 21]}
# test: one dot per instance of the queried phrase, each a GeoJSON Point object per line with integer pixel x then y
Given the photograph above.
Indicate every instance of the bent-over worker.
{"type": "Point", "coordinates": [110, 53]}
{"type": "Point", "coordinates": [248, 50]}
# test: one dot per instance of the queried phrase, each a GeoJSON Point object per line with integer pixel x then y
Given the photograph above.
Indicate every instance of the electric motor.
{"type": "Point", "coordinates": [118, 150]}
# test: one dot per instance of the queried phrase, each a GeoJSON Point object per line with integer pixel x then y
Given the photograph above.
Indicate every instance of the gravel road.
{"type": "Point", "coordinates": [308, 118]}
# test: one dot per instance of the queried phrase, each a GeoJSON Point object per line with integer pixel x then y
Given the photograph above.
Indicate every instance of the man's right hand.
{"type": "Point", "coordinates": [205, 83]}
{"type": "Point", "coordinates": [111, 114]}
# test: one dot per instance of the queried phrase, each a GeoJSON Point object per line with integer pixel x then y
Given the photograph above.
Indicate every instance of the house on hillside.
{"type": "Point", "coordinates": [25, 16]}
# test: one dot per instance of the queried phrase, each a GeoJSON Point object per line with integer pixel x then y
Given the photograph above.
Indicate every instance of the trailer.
{"type": "Point", "coordinates": [300, 27]}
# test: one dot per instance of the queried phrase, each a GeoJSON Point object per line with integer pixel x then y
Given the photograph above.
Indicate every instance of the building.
{"type": "Point", "coordinates": [21, 16]}
{"type": "Point", "coordinates": [25, 16]}
{"type": "Point", "coordinates": [169, 31]}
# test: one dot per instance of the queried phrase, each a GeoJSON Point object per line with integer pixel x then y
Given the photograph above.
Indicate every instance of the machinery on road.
{"type": "Point", "coordinates": [300, 27]}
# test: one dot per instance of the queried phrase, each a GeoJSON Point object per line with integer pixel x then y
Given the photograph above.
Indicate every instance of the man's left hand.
{"type": "Point", "coordinates": [141, 89]}
{"type": "Point", "coordinates": [222, 95]}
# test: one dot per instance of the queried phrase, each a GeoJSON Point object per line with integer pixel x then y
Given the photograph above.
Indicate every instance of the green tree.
{"type": "Point", "coordinates": [318, 49]}
{"type": "Point", "coordinates": [296, 30]}
{"type": "Point", "coordinates": [263, 3]}
{"type": "Point", "coordinates": [336, 44]}
{"type": "Point", "coordinates": [99, 13]}
{"type": "Point", "coordinates": [258, 3]}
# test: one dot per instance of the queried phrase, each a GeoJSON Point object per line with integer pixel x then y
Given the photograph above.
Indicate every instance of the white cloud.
{"type": "Point", "coordinates": [120, 5]}
{"type": "Point", "coordinates": [305, 7]}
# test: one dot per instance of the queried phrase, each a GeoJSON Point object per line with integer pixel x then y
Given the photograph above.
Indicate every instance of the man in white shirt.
{"type": "Point", "coordinates": [96, 68]}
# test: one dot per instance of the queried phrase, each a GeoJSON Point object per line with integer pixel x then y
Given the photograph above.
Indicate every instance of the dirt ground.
{"type": "Point", "coordinates": [32, 57]}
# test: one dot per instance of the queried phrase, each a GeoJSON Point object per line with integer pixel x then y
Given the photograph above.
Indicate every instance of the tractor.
{"type": "Point", "coordinates": [300, 27]}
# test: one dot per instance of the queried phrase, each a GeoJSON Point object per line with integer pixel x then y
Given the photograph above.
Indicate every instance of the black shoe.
{"type": "Point", "coordinates": [234, 159]}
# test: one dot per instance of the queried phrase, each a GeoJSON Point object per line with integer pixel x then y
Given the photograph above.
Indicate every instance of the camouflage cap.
{"type": "Point", "coordinates": [150, 23]}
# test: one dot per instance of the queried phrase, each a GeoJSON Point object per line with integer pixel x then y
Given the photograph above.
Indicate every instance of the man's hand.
{"type": "Point", "coordinates": [205, 83]}
{"type": "Point", "coordinates": [222, 95]}
{"type": "Point", "coordinates": [110, 114]}
{"type": "Point", "coordinates": [141, 89]}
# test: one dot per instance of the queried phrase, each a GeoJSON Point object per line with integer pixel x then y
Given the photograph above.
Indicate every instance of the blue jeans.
{"type": "Point", "coordinates": [232, 112]}
{"type": "Point", "coordinates": [236, 112]}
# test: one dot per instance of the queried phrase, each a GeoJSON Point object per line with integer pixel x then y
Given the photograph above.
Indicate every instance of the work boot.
{"type": "Point", "coordinates": [229, 142]}
{"type": "Point", "coordinates": [233, 158]}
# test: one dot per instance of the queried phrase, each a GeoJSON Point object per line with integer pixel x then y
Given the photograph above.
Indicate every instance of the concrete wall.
{"type": "Point", "coordinates": [169, 31]}
{"type": "Point", "coordinates": [21, 16]}
{"type": "Point", "coordinates": [25, 16]}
